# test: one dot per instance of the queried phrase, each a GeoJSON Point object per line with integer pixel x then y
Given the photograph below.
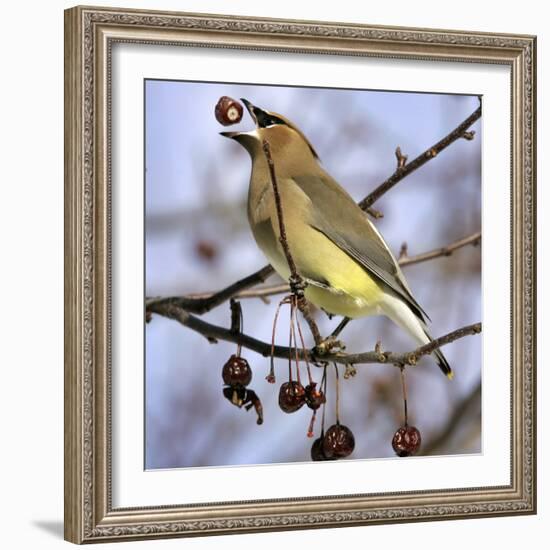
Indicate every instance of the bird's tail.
{"type": "Point", "coordinates": [441, 361]}
{"type": "Point", "coordinates": [401, 314]}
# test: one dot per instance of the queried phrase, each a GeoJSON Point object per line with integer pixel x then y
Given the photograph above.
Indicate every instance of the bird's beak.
{"type": "Point", "coordinates": [252, 110]}
{"type": "Point", "coordinates": [257, 116]}
{"type": "Point", "coordinates": [231, 135]}
{"type": "Point", "coordinates": [260, 117]}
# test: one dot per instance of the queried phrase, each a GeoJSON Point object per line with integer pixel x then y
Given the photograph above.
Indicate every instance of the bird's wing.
{"type": "Point", "coordinates": [349, 228]}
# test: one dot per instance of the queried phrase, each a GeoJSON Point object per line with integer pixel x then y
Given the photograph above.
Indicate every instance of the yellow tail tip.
{"type": "Point", "coordinates": [450, 375]}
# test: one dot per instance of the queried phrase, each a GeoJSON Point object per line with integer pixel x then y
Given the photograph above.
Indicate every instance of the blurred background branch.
{"type": "Point", "coordinates": [205, 301]}
{"type": "Point", "coordinates": [467, 406]}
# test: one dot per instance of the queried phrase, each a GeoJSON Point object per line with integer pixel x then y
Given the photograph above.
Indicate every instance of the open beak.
{"type": "Point", "coordinates": [253, 111]}
{"type": "Point", "coordinates": [231, 135]}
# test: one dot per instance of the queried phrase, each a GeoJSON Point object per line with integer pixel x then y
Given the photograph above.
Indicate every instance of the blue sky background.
{"type": "Point", "coordinates": [196, 186]}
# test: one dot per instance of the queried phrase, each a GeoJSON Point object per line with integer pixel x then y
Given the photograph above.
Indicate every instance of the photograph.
{"type": "Point", "coordinates": [313, 282]}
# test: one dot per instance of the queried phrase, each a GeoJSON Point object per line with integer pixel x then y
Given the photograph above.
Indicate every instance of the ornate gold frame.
{"type": "Point", "coordinates": [89, 35]}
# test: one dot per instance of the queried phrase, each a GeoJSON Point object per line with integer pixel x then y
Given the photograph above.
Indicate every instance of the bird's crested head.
{"type": "Point", "coordinates": [284, 137]}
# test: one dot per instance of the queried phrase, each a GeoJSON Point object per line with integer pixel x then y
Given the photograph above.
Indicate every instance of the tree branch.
{"type": "Point", "coordinates": [264, 292]}
{"type": "Point", "coordinates": [448, 250]}
{"type": "Point", "coordinates": [404, 169]}
{"type": "Point", "coordinates": [201, 305]}
{"type": "Point", "coordinates": [296, 282]}
{"type": "Point", "coordinates": [214, 332]}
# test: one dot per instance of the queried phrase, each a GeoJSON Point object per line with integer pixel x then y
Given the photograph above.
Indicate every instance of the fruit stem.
{"type": "Point", "coordinates": [303, 344]}
{"type": "Point", "coordinates": [290, 346]}
{"type": "Point", "coordinates": [236, 320]}
{"type": "Point", "coordinates": [293, 336]}
{"type": "Point", "coordinates": [404, 387]}
{"type": "Point", "coordinates": [241, 328]}
{"type": "Point", "coordinates": [324, 387]}
{"type": "Point", "coordinates": [337, 394]}
{"type": "Point", "coordinates": [311, 423]}
{"type": "Point", "coordinates": [271, 376]}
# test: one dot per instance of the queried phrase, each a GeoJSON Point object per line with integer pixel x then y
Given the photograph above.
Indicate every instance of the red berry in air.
{"type": "Point", "coordinates": [291, 396]}
{"type": "Point", "coordinates": [228, 111]}
{"type": "Point", "coordinates": [237, 371]}
{"type": "Point", "coordinates": [406, 441]}
{"type": "Point", "coordinates": [338, 442]}
{"type": "Point", "coordinates": [317, 453]}
{"type": "Point", "coordinates": [314, 397]}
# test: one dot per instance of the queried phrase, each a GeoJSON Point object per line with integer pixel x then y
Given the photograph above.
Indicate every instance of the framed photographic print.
{"type": "Point", "coordinates": [279, 310]}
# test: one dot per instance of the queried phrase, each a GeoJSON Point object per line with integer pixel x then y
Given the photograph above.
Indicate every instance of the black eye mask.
{"type": "Point", "coordinates": [265, 119]}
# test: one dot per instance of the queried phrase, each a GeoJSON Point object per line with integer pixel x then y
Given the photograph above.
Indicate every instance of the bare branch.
{"type": "Point", "coordinates": [202, 305]}
{"type": "Point", "coordinates": [460, 410]}
{"type": "Point", "coordinates": [473, 239]}
{"type": "Point", "coordinates": [401, 159]}
{"type": "Point", "coordinates": [297, 284]}
{"type": "Point", "coordinates": [441, 341]}
{"type": "Point", "coordinates": [214, 332]}
{"type": "Point", "coordinates": [263, 292]}
{"type": "Point", "coordinates": [404, 168]}
{"type": "Point", "coordinates": [279, 206]}
{"type": "Point", "coordinates": [376, 214]}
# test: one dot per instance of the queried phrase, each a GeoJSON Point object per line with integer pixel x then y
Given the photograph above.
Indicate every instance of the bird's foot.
{"type": "Point", "coordinates": [297, 285]}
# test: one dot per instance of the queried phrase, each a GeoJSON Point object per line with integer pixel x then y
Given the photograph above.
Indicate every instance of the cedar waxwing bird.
{"type": "Point", "coordinates": [348, 267]}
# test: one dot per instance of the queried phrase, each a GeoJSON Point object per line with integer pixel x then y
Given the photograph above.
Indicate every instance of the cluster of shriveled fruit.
{"type": "Point", "coordinates": [338, 440]}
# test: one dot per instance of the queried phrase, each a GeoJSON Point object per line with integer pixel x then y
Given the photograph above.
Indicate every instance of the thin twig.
{"type": "Point", "coordinates": [404, 168]}
{"type": "Point", "coordinates": [441, 341]}
{"type": "Point", "coordinates": [297, 284]}
{"type": "Point", "coordinates": [473, 240]}
{"type": "Point", "coordinates": [272, 290]}
{"type": "Point", "coordinates": [278, 204]}
{"type": "Point", "coordinates": [401, 158]}
{"type": "Point", "coordinates": [205, 304]}
{"type": "Point", "coordinates": [376, 214]}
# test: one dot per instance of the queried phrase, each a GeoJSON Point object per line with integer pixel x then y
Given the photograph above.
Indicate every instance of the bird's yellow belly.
{"type": "Point", "coordinates": [351, 291]}
{"type": "Point", "coordinates": [342, 303]}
